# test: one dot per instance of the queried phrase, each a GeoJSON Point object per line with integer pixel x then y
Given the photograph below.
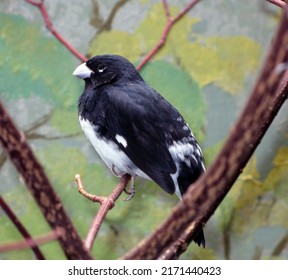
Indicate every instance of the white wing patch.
{"type": "Point", "coordinates": [179, 151]}
{"type": "Point", "coordinates": [121, 140]}
{"type": "Point", "coordinates": [183, 151]}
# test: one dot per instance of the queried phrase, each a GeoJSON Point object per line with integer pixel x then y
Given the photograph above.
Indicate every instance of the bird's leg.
{"type": "Point", "coordinates": [132, 190]}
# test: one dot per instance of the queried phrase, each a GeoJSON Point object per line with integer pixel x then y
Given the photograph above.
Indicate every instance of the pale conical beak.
{"type": "Point", "coordinates": [82, 71]}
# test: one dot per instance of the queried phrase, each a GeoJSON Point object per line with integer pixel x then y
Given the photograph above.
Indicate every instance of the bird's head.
{"type": "Point", "coordinates": [107, 69]}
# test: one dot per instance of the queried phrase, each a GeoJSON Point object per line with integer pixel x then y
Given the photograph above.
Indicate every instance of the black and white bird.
{"type": "Point", "coordinates": [134, 129]}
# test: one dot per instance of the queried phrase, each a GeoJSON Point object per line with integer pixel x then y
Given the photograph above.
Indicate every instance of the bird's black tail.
{"type": "Point", "coordinates": [185, 179]}
{"type": "Point", "coordinates": [200, 239]}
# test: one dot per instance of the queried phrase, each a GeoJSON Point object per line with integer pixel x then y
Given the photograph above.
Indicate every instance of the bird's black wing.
{"type": "Point", "coordinates": [148, 123]}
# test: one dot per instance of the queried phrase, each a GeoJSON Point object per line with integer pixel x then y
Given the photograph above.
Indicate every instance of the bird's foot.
{"type": "Point", "coordinates": [132, 190]}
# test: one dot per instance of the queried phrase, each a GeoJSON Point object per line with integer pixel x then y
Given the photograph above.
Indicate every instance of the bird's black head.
{"type": "Point", "coordinates": [107, 69]}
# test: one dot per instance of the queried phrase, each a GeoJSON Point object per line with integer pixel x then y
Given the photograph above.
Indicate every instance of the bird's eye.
{"type": "Point", "coordinates": [101, 68]}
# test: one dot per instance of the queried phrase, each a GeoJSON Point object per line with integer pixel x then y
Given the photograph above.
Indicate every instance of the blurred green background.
{"type": "Point", "coordinates": [206, 70]}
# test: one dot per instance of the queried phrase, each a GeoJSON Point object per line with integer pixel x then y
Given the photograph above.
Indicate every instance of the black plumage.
{"type": "Point", "coordinates": [134, 129]}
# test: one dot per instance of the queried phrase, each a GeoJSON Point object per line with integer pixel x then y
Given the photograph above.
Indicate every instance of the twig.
{"type": "Point", "coordinates": [106, 203]}
{"type": "Point", "coordinates": [24, 232]}
{"type": "Point", "coordinates": [37, 136]}
{"type": "Point", "coordinates": [201, 200]}
{"type": "Point", "coordinates": [180, 245]}
{"type": "Point", "coordinates": [108, 22]}
{"type": "Point", "coordinates": [42, 8]}
{"type": "Point", "coordinates": [170, 22]}
{"type": "Point", "coordinates": [257, 253]}
{"type": "Point", "coordinates": [22, 156]}
{"type": "Point", "coordinates": [282, 244]}
{"type": "Point", "coordinates": [2, 159]}
{"type": "Point", "coordinates": [30, 134]}
{"type": "Point", "coordinates": [32, 243]}
{"type": "Point", "coordinates": [278, 3]}
{"type": "Point", "coordinates": [81, 189]}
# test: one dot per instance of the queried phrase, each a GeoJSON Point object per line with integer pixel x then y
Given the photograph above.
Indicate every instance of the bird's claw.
{"type": "Point", "coordinates": [131, 192]}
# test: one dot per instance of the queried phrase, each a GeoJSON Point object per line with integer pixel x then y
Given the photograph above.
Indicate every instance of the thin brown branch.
{"type": "Point", "coordinates": [167, 10]}
{"type": "Point", "coordinates": [278, 3]}
{"type": "Point", "coordinates": [22, 156]}
{"type": "Point", "coordinates": [108, 22]}
{"type": "Point", "coordinates": [37, 136]}
{"type": "Point", "coordinates": [180, 245]}
{"type": "Point", "coordinates": [280, 246]}
{"type": "Point", "coordinates": [106, 203]}
{"type": "Point", "coordinates": [81, 189]}
{"type": "Point", "coordinates": [38, 123]}
{"type": "Point", "coordinates": [202, 199]}
{"type": "Point", "coordinates": [257, 254]}
{"type": "Point", "coordinates": [31, 133]}
{"type": "Point", "coordinates": [170, 22]}
{"type": "Point", "coordinates": [32, 243]}
{"type": "Point", "coordinates": [42, 8]}
{"type": "Point", "coordinates": [24, 232]}
{"type": "Point", "coordinates": [3, 158]}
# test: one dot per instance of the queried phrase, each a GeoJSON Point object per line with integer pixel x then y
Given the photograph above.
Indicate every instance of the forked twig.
{"type": "Point", "coordinates": [170, 22]}
{"type": "Point", "coordinates": [106, 203]}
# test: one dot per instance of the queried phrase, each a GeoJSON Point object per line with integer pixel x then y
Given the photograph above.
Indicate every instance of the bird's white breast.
{"type": "Point", "coordinates": [110, 153]}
